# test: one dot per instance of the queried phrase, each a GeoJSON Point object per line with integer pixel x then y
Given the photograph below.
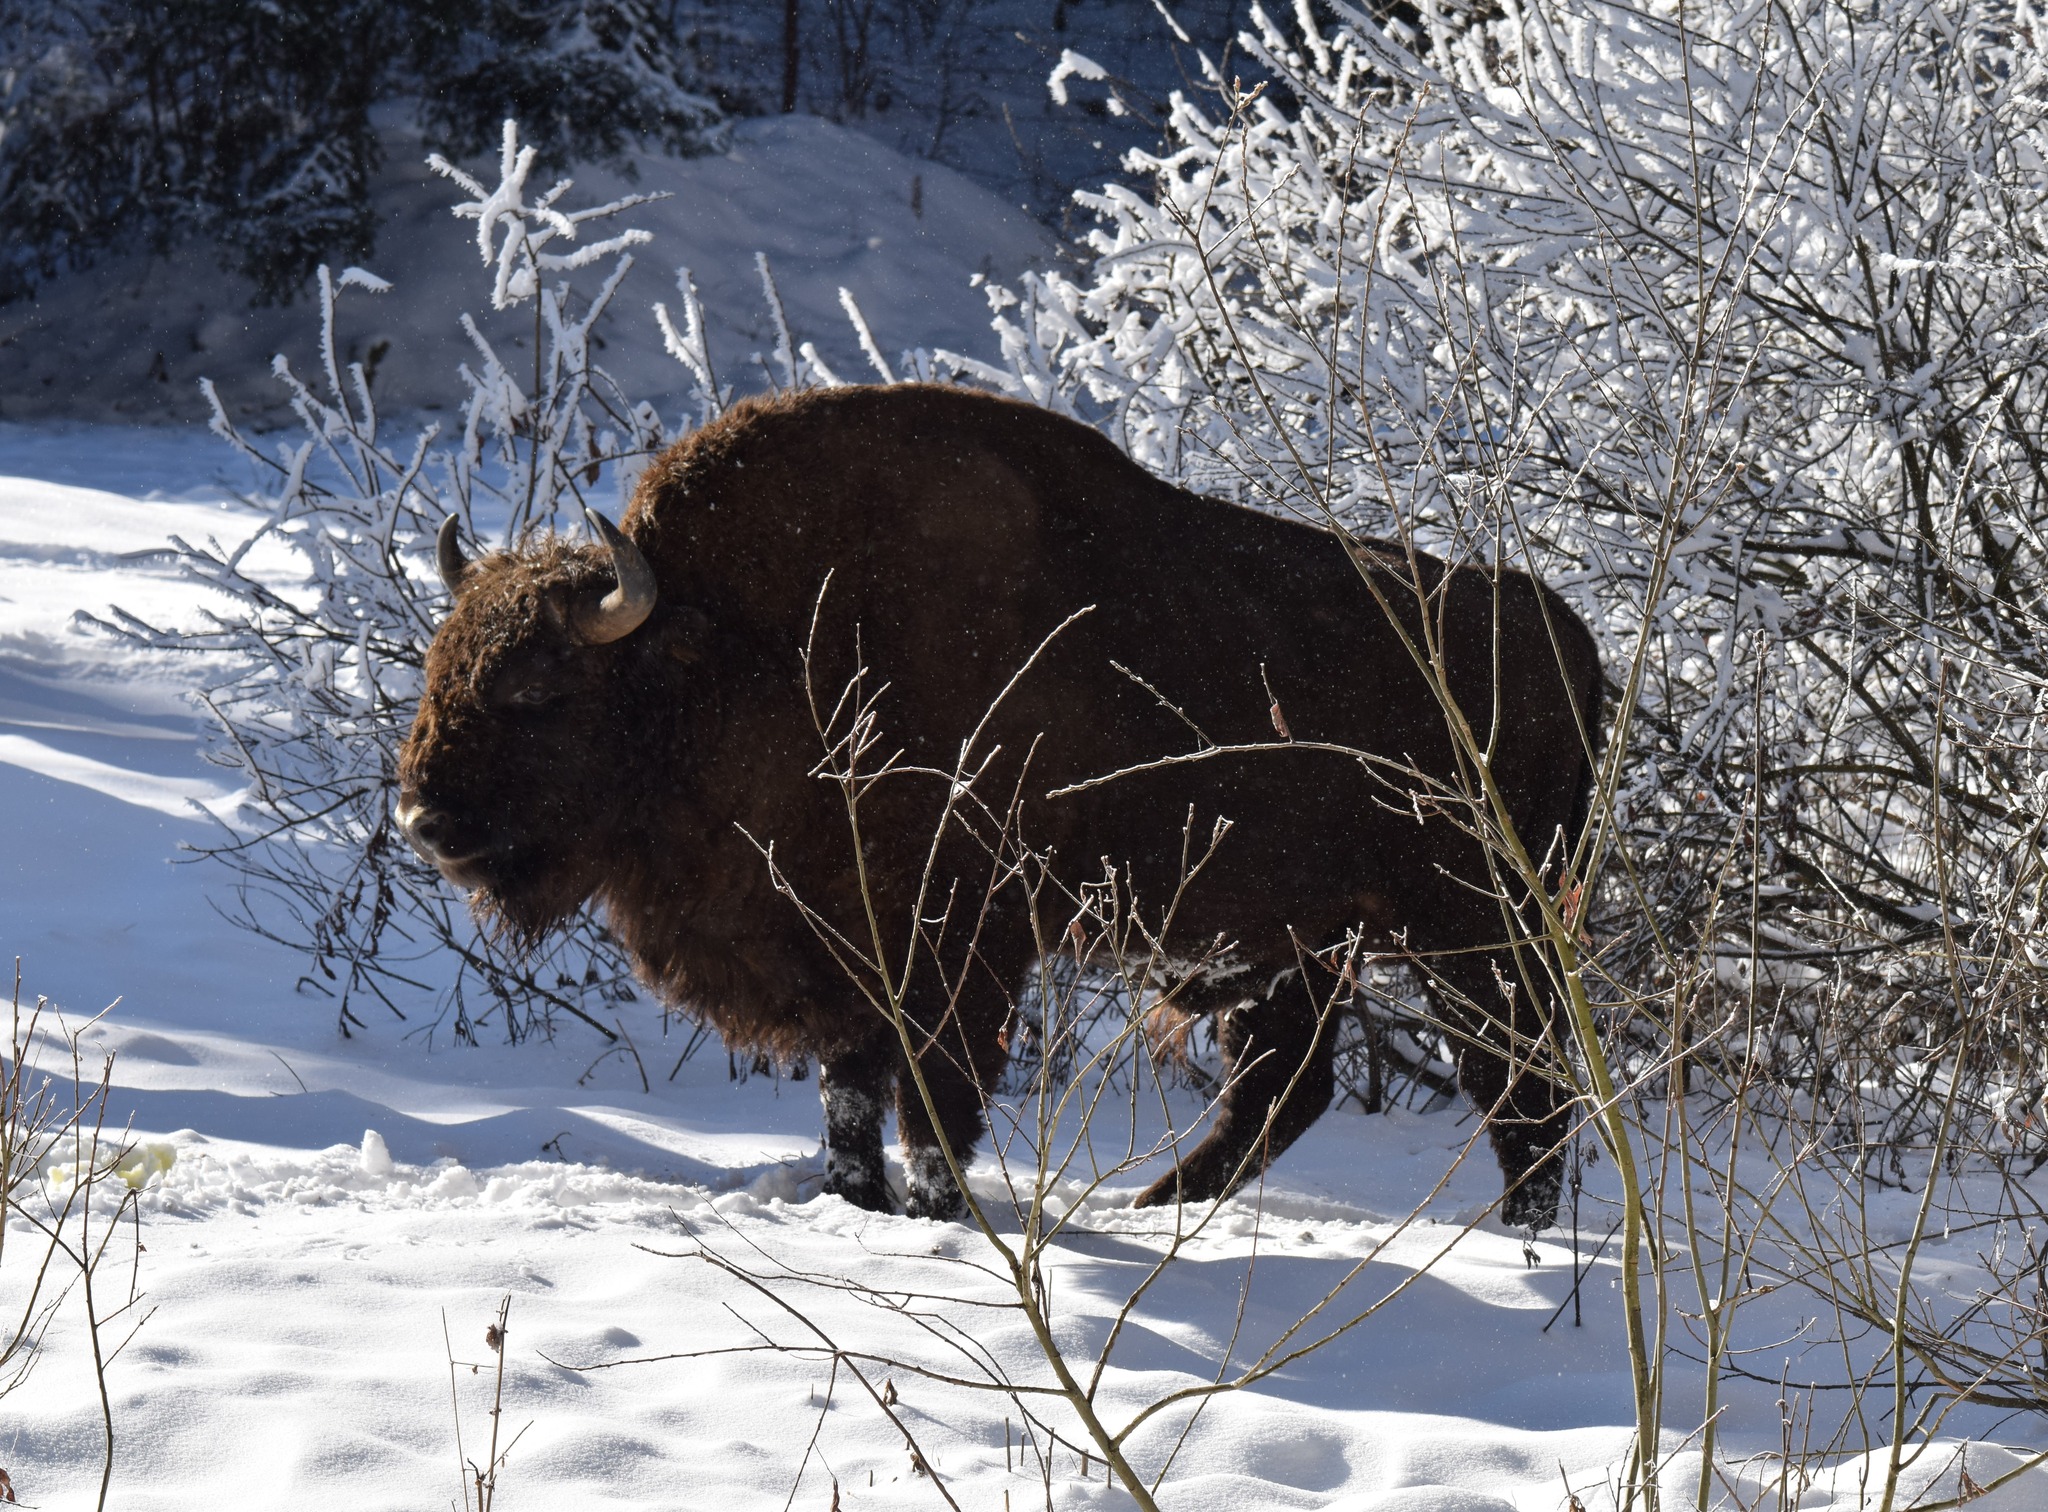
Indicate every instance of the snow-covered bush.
{"type": "Point", "coordinates": [1732, 323]}
{"type": "Point", "coordinates": [1734, 326]}
{"type": "Point", "coordinates": [319, 676]}
{"type": "Point", "coordinates": [319, 668]}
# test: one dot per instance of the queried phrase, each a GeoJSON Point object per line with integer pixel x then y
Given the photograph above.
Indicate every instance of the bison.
{"type": "Point", "coordinates": [627, 721]}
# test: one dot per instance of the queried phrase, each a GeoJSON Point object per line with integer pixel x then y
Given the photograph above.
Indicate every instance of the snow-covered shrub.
{"type": "Point", "coordinates": [320, 676]}
{"type": "Point", "coordinates": [319, 670]}
{"type": "Point", "coordinates": [1734, 326]}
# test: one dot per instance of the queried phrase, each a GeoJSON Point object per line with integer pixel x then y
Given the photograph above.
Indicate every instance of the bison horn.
{"type": "Point", "coordinates": [448, 555]}
{"type": "Point", "coordinates": [620, 612]}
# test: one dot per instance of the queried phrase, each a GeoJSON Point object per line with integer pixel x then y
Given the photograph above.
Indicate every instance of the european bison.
{"type": "Point", "coordinates": [625, 721]}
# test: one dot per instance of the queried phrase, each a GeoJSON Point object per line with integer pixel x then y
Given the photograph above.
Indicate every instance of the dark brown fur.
{"type": "Point", "coordinates": [959, 530]}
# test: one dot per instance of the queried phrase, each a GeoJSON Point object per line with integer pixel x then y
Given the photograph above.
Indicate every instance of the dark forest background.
{"type": "Point", "coordinates": [258, 125]}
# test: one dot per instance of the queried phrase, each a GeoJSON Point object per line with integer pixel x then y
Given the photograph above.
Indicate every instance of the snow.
{"type": "Point", "coordinates": [332, 1205]}
{"type": "Point", "coordinates": [333, 1201]}
{"type": "Point", "coordinates": [830, 207]}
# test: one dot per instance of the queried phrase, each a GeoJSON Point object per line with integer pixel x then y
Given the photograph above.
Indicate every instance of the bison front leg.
{"type": "Point", "coordinates": [854, 1088]}
{"type": "Point", "coordinates": [1280, 1070]}
{"type": "Point", "coordinates": [965, 1059]}
{"type": "Point", "coordinates": [930, 1191]}
{"type": "Point", "coordinates": [1506, 1049]}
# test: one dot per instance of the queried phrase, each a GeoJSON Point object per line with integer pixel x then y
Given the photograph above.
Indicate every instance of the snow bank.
{"type": "Point", "coordinates": [131, 338]}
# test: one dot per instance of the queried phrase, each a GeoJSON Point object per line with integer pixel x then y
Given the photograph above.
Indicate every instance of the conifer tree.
{"type": "Point", "coordinates": [129, 124]}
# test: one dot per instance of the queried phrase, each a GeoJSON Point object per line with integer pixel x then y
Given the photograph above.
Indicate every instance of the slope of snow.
{"type": "Point", "coordinates": [131, 338]}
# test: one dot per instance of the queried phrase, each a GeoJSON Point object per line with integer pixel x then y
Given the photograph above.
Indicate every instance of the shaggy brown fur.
{"type": "Point", "coordinates": [959, 530]}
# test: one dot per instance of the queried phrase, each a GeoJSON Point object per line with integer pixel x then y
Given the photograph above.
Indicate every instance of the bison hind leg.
{"type": "Point", "coordinates": [1280, 1074]}
{"type": "Point", "coordinates": [854, 1090]}
{"type": "Point", "coordinates": [1506, 1048]}
{"type": "Point", "coordinates": [960, 1069]}
{"type": "Point", "coordinates": [932, 1192]}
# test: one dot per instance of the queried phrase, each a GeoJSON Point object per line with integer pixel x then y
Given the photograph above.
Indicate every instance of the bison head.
{"type": "Point", "coordinates": [510, 780]}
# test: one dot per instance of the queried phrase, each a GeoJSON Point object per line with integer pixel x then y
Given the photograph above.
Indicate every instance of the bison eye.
{"type": "Point", "coordinates": [533, 696]}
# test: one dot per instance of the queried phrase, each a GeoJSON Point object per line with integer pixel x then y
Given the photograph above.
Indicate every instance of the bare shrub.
{"type": "Point", "coordinates": [480, 1480]}
{"type": "Point", "coordinates": [59, 1165]}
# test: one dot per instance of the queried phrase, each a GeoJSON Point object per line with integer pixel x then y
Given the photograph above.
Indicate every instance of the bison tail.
{"type": "Point", "coordinates": [1167, 1028]}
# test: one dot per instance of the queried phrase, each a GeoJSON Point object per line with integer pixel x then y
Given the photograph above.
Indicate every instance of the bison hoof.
{"type": "Point", "coordinates": [932, 1193]}
{"type": "Point", "coordinates": [946, 1206]}
{"type": "Point", "coordinates": [1533, 1204]}
{"type": "Point", "coordinates": [866, 1190]}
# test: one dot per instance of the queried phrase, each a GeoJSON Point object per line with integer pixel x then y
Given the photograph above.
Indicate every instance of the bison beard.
{"type": "Point", "coordinates": [622, 722]}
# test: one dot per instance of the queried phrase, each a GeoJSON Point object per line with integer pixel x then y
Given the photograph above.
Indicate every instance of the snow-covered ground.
{"type": "Point", "coordinates": [335, 1203]}
{"type": "Point", "coordinates": [132, 337]}
{"type": "Point", "coordinates": [300, 1268]}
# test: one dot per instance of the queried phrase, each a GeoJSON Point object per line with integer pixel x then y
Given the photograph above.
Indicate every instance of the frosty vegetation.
{"type": "Point", "coordinates": [1731, 326]}
{"type": "Point", "coordinates": [324, 682]}
{"type": "Point", "coordinates": [1734, 332]}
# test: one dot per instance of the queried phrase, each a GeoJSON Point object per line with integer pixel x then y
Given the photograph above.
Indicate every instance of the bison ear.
{"type": "Point", "coordinates": [448, 555]}
{"type": "Point", "coordinates": [622, 611]}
